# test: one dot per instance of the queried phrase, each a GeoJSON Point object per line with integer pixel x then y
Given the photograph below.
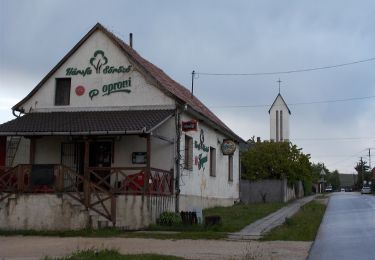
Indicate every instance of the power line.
{"type": "Point", "coordinates": [297, 104]}
{"type": "Point", "coordinates": [332, 138]}
{"type": "Point", "coordinates": [287, 71]}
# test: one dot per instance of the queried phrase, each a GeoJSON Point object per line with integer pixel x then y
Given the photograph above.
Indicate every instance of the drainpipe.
{"type": "Point", "coordinates": [178, 160]}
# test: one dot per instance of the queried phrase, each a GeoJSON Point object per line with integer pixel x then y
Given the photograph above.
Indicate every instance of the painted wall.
{"type": "Point", "coordinates": [41, 212]}
{"type": "Point", "coordinates": [141, 94]}
{"type": "Point", "coordinates": [279, 106]}
{"type": "Point", "coordinates": [198, 188]}
{"type": "Point", "coordinates": [48, 149]}
{"type": "Point", "coordinates": [53, 212]}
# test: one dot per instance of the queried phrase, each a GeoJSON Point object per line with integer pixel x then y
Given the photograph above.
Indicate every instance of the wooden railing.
{"type": "Point", "coordinates": [133, 180]}
{"type": "Point", "coordinates": [90, 194]}
{"type": "Point", "coordinates": [97, 192]}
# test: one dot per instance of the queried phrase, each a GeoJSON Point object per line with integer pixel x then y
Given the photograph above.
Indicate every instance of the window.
{"type": "Point", "coordinates": [230, 168]}
{"type": "Point", "coordinates": [212, 162]}
{"type": "Point", "coordinates": [188, 164]}
{"type": "Point", "coordinates": [62, 93]}
{"type": "Point", "coordinates": [281, 125]}
{"type": "Point", "coordinates": [277, 125]}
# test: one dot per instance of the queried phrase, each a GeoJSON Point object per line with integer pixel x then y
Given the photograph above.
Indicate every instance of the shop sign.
{"type": "Point", "coordinates": [228, 147]}
{"type": "Point", "coordinates": [108, 89]}
{"type": "Point", "coordinates": [202, 158]}
{"type": "Point", "coordinates": [98, 61]}
{"type": "Point", "coordinates": [191, 125]}
{"type": "Point", "coordinates": [200, 145]}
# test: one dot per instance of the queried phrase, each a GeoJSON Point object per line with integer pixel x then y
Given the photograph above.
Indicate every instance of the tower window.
{"type": "Point", "coordinates": [277, 125]}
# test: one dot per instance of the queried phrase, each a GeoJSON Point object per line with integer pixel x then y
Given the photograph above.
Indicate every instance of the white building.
{"type": "Point", "coordinates": [111, 132]}
{"type": "Point", "coordinates": [279, 120]}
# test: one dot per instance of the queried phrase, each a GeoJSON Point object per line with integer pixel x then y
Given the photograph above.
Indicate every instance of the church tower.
{"type": "Point", "coordinates": [279, 120]}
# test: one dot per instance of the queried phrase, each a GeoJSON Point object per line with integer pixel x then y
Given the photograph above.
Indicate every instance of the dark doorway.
{"type": "Point", "coordinates": [101, 157]}
{"type": "Point", "coordinates": [100, 154]}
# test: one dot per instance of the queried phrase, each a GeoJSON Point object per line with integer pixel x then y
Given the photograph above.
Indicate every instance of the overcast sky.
{"type": "Point", "coordinates": [223, 37]}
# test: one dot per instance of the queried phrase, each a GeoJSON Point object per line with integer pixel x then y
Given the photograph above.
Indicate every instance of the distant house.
{"type": "Point", "coordinates": [111, 140]}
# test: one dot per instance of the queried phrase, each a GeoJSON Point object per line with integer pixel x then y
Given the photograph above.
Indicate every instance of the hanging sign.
{"type": "Point", "coordinates": [191, 125]}
{"type": "Point", "coordinates": [228, 147]}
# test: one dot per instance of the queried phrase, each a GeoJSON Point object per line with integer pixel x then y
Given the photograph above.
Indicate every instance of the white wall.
{"type": "Point", "coordinates": [198, 184]}
{"type": "Point", "coordinates": [142, 93]}
{"type": "Point", "coordinates": [48, 149]}
{"type": "Point", "coordinates": [279, 105]}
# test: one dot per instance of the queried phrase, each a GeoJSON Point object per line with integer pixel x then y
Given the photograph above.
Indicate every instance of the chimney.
{"type": "Point", "coordinates": [131, 40]}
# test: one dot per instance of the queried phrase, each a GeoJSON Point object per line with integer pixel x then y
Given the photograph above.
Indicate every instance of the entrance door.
{"type": "Point", "coordinates": [72, 156]}
{"type": "Point", "coordinates": [101, 156]}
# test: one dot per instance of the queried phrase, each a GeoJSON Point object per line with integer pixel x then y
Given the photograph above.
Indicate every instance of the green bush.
{"type": "Point", "coordinates": [307, 187]}
{"type": "Point", "coordinates": [169, 219]}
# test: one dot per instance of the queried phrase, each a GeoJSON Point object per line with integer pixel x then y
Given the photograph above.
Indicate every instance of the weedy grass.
{"type": "Point", "coordinates": [111, 254]}
{"type": "Point", "coordinates": [303, 226]}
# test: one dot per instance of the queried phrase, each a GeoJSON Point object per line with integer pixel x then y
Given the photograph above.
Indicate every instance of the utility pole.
{"type": "Point", "coordinates": [192, 83]}
{"type": "Point", "coordinates": [369, 158]}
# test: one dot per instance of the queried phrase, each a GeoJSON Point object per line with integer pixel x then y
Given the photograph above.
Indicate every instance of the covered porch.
{"type": "Point", "coordinates": [95, 166]}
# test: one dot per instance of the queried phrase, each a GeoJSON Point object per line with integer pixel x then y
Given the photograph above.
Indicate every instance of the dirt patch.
{"type": "Point", "coordinates": [19, 247]}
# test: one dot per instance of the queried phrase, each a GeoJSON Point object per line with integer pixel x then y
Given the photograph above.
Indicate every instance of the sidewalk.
{"type": "Point", "coordinates": [256, 229]}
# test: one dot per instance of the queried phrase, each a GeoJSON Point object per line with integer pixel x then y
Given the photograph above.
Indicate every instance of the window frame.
{"type": "Point", "coordinates": [188, 156]}
{"type": "Point", "coordinates": [60, 89]}
{"type": "Point", "coordinates": [212, 161]}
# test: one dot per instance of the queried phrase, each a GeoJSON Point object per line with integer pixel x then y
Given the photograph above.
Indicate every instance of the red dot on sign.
{"type": "Point", "coordinates": [80, 90]}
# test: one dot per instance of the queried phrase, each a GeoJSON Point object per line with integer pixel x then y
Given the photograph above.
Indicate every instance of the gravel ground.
{"type": "Point", "coordinates": [19, 247]}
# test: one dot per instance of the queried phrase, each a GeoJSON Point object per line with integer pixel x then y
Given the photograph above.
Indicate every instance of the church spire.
{"type": "Point", "coordinates": [279, 81]}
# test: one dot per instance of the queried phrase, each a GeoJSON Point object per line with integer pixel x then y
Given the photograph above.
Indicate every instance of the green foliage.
{"type": "Point", "coordinates": [363, 171]}
{"type": "Point", "coordinates": [303, 226]}
{"type": "Point", "coordinates": [276, 160]}
{"type": "Point", "coordinates": [334, 179]}
{"type": "Point", "coordinates": [317, 170]}
{"type": "Point", "coordinates": [307, 187]}
{"type": "Point", "coordinates": [169, 219]}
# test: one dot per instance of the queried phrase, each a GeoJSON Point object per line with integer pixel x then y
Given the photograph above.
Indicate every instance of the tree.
{"type": "Point", "coordinates": [276, 160]}
{"type": "Point", "coordinates": [363, 171]}
{"type": "Point", "coordinates": [334, 179]}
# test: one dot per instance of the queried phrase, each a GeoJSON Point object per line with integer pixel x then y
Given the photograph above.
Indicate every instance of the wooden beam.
{"type": "Point", "coordinates": [86, 185]}
{"type": "Point", "coordinates": [32, 150]}
{"type": "Point", "coordinates": [148, 163]}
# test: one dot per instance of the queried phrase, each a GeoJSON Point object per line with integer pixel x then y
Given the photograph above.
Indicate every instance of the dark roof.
{"type": "Point", "coordinates": [93, 122]}
{"type": "Point", "coordinates": [162, 80]}
{"type": "Point", "coordinates": [282, 100]}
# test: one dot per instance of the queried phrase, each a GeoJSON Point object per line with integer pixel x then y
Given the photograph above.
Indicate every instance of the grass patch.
{"type": "Point", "coordinates": [107, 254]}
{"type": "Point", "coordinates": [233, 218]}
{"type": "Point", "coordinates": [105, 232]}
{"type": "Point", "coordinates": [303, 226]}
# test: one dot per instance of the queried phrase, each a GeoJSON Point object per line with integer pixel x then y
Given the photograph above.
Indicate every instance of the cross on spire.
{"type": "Point", "coordinates": [279, 81]}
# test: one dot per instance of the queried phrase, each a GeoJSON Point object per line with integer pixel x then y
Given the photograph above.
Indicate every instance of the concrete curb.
{"type": "Point", "coordinates": [257, 229]}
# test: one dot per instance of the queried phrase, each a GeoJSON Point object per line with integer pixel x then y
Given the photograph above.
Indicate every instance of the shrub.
{"type": "Point", "coordinates": [169, 219]}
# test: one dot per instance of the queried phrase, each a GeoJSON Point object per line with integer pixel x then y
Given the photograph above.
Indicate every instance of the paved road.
{"type": "Point", "coordinates": [347, 230]}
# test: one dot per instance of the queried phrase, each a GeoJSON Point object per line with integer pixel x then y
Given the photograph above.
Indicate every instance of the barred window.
{"type": "Point", "coordinates": [212, 162]}
{"type": "Point", "coordinates": [188, 164]}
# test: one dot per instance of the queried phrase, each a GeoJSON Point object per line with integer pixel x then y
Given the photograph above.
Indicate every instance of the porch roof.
{"type": "Point", "coordinates": [86, 123]}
